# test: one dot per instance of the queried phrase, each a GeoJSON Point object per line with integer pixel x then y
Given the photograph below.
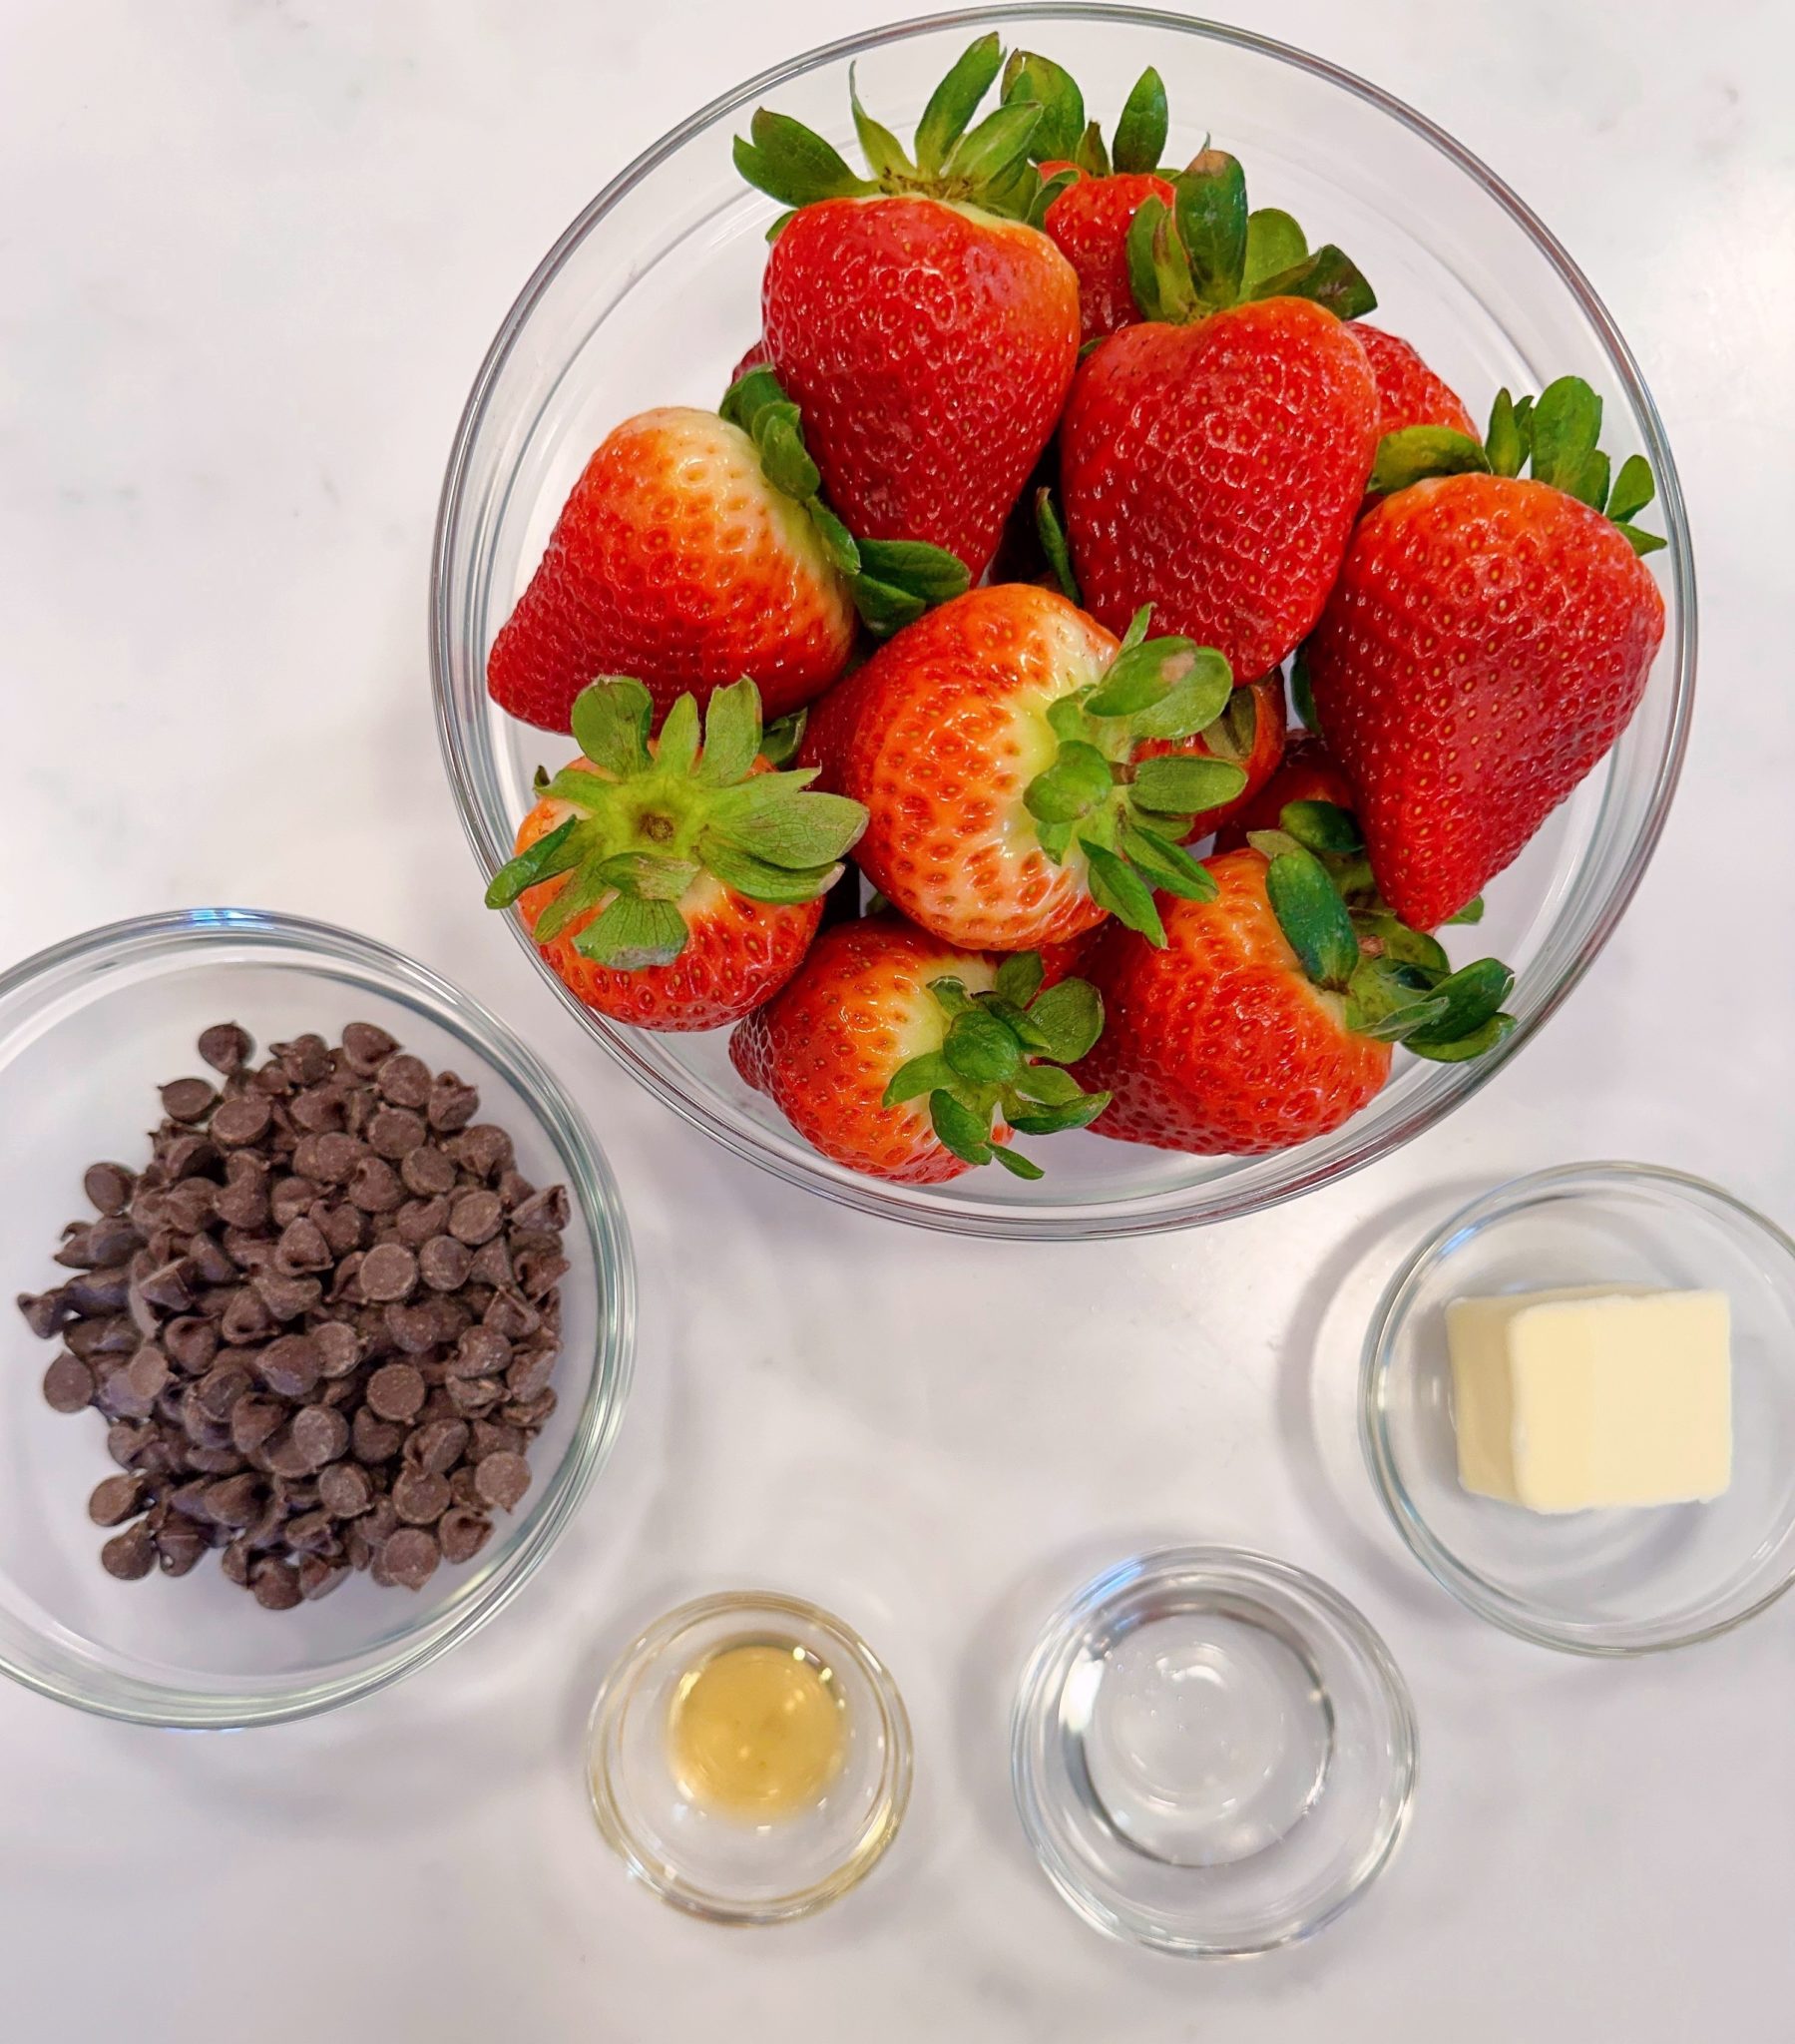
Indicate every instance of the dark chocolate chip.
{"type": "Point", "coordinates": [254, 1421]}
{"type": "Point", "coordinates": [212, 1266]}
{"type": "Point", "coordinates": [235, 1501]}
{"type": "Point", "coordinates": [539, 1272]}
{"type": "Point", "coordinates": [375, 1439]}
{"type": "Point", "coordinates": [462, 1532]}
{"type": "Point", "coordinates": [444, 1263]}
{"type": "Point", "coordinates": [318, 1108]}
{"type": "Point", "coordinates": [530, 1371]}
{"type": "Point", "coordinates": [45, 1312]}
{"type": "Point", "coordinates": [338, 1351]}
{"type": "Point", "coordinates": [366, 1047]}
{"type": "Point", "coordinates": [189, 1342]}
{"type": "Point", "coordinates": [395, 1132]}
{"type": "Point", "coordinates": [480, 1354]}
{"type": "Point", "coordinates": [68, 1384]}
{"type": "Point", "coordinates": [186, 1156]}
{"type": "Point", "coordinates": [549, 1210]}
{"type": "Point", "coordinates": [346, 1228]}
{"type": "Point", "coordinates": [303, 1249]}
{"type": "Point", "coordinates": [275, 1583]}
{"type": "Point", "coordinates": [331, 1158]}
{"type": "Point", "coordinates": [311, 1532]}
{"type": "Point", "coordinates": [428, 1172]}
{"type": "Point", "coordinates": [502, 1480]}
{"type": "Point", "coordinates": [395, 1391]}
{"type": "Point", "coordinates": [404, 1081]}
{"type": "Point", "coordinates": [224, 1046]}
{"type": "Point", "coordinates": [375, 1188]}
{"type": "Point", "coordinates": [438, 1445]}
{"type": "Point", "coordinates": [411, 1556]}
{"type": "Point", "coordinates": [245, 1119]}
{"type": "Point", "coordinates": [287, 1297]}
{"type": "Point", "coordinates": [115, 1336]}
{"type": "Point", "coordinates": [476, 1217]}
{"type": "Point", "coordinates": [108, 1187]}
{"type": "Point", "coordinates": [485, 1149]}
{"type": "Point", "coordinates": [218, 1391]}
{"type": "Point", "coordinates": [129, 1554]}
{"type": "Point", "coordinates": [320, 1435]}
{"type": "Point", "coordinates": [474, 1395]}
{"type": "Point", "coordinates": [389, 1272]}
{"type": "Point", "coordinates": [492, 1265]}
{"type": "Point", "coordinates": [244, 1319]}
{"type": "Point", "coordinates": [413, 1329]}
{"type": "Point", "coordinates": [305, 1060]}
{"type": "Point", "coordinates": [289, 1366]}
{"type": "Point", "coordinates": [452, 1104]}
{"type": "Point", "coordinates": [242, 1204]}
{"type": "Point", "coordinates": [420, 1497]}
{"type": "Point", "coordinates": [96, 1293]}
{"type": "Point", "coordinates": [116, 1499]}
{"type": "Point", "coordinates": [188, 1100]}
{"type": "Point", "coordinates": [318, 1577]}
{"type": "Point", "coordinates": [148, 1373]}
{"type": "Point", "coordinates": [178, 1547]}
{"type": "Point", "coordinates": [345, 1490]}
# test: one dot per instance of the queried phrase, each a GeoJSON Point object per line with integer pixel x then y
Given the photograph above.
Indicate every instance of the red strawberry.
{"type": "Point", "coordinates": [1212, 458]}
{"type": "Point", "coordinates": [1308, 773]}
{"type": "Point", "coordinates": [1408, 392]}
{"type": "Point", "coordinates": [1487, 643]}
{"type": "Point", "coordinates": [1249, 735]}
{"type": "Point", "coordinates": [904, 1057]}
{"type": "Point", "coordinates": [677, 559]}
{"type": "Point", "coordinates": [1267, 1018]}
{"type": "Point", "coordinates": [1088, 224]}
{"type": "Point", "coordinates": [669, 885]}
{"type": "Point", "coordinates": [928, 339]}
{"type": "Point", "coordinates": [993, 744]}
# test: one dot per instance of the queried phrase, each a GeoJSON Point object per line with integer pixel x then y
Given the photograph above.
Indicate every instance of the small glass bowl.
{"type": "Point", "coordinates": [88, 1030]}
{"type": "Point", "coordinates": [728, 1869]}
{"type": "Point", "coordinates": [1212, 1752]}
{"type": "Point", "coordinates": [1599, 1582]}
{"type": "Point", "coordinates": [610, 321]}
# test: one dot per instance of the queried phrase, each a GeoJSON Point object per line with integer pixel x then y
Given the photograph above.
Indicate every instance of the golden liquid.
{"type": "Point", "coordinates": [758, 1730]}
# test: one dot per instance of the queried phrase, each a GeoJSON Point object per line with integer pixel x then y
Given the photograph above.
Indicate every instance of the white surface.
{"type": "Point", "coordinates": [252, 255]}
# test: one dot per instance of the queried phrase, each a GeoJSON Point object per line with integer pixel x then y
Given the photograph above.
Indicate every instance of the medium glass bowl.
{"type": "Point", "coordinates": [88, 1029]}
{"type": "Point", "coordinates": [1597, 1582]}
{"type": "Point", "coordinates": [652, 294]}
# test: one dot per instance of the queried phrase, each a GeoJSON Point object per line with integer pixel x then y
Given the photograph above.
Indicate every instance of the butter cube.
{"type": "Point", "coordinates": [1593, 1397]}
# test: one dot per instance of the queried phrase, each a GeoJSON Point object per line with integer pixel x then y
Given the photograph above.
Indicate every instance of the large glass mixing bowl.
{"type": "Point", "coordinates": [651, 295]}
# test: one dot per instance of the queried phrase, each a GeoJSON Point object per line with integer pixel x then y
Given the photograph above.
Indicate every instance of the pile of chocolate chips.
{"type": "Point", "coordinates": [321, 1321]}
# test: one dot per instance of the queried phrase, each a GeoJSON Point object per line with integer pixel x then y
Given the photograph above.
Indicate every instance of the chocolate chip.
{"type": "Point", "coordinates": [185, 1155]}
{"type": "Point", "coordinates": [418, 1220]}
{"type": "Point", "coordinates": [215, 1461]}
{"type": "Point", "coordinates": [303, 1249]}
{"type": "Point", "coordinates": [187, 1100]}
{"type": "Point", "coordinates": [224, 1046]}
{"type": "Point", "coordinates": [148, 1373]}
{"type": "Point", "coordinates": [530, 1372]}
{"type": "Point", "coordinates": [476, 1217]}
{"type": "Point", "coordinates": [171, 1286]}
{"type": "Point", "coordinates": [253, 1419]}
{"type": "Point", "coordinates": [549, 1210]}
{"type": "Point", "coordinates": [305, 1060]}
{"type": "Point", "coordinates": [492, 1265]}
{"type": "Point", "coordinates": [212, 1266]}
{"type": "Point", "coordinates": [244, 1319]}
{"type": "Point", "coordinates": [311, 1532]}
{"type": "Point", "coordinates": [96, 1293]}
{"type": "Point", "coordinates": [410, 1557]}
{"type": "Point", "coordinates": [108, 1187]}
{"type": "Point", "coordinates": [338, 1349]}
{"type": "Point", "coordinates": [395, 1391]}
{"type": "Point", "coordinates": [444, 1263]}
{"type": "Point", "coordinates": [531, 1414]}
{"type": "Point", "coordinates": [291, 1198]}
{"type": "Point", "coordinates": [375, 1439]}
{"type": "Point", "coordinates": [493, 1437]}
{"type": "Point", "coordinates": [389, 1272]}
{"type": "Point", "coordinates": [289, 1366]}
{"type": "Point", "coordinates": [235, 1501]}
{"type": "Point", "coordinates": [318, 1577]}
{"type": "Point", "coordinates": [539, 1272]}
{"type": "Point", "coordinates": [485, 1149]}
{"type": "Point", "coordinates": [394, 1132]}
{"type": "Point", "coordinates": [116, 1499]}
{"type": "Point", "coordinates": [318, 1108]}
{"type": "Point", "coordinates": [366, 1047]}
{"type": "Point", "coordinates": [413, 1329]}
{"type": "Point", "coordinates": [287, 1297]}
{"type": "Point", "coordinates": [178, 1547]}
{"type": "Point", "coordinates": [511, 1315]}
{"type": "Point", "coordinates": [240, 1121]}
{"type": "Point", "coordinates": [189, 1343]}
{"type": "Point", "coordinates": [438, 1445]}
{"type": "Point", "coordinates": [420, 1497]}
{"type": "Point", "coordinates": [129, 1554]}
{"type": "Point", "coordinates": [219, 1390]}
{"type": "Point", "coordinates": [375, 1188]}
{"type": "Point", "coordinates": [502, 1480]}
{"type": "Point", "coordinates": [345, 1490]}
{"type": "Point", "coordinates": [331, 1158]}
{"type": "Point", "coordinates": [474, 1395]}
{"type": "Point", "coordinates": [462, 1532]}
{"type": "Point", "coordinates": [45, 1312]}
{"type": "Point", "coordinates": [320, 1435]}
{"type": "Point", "coordinates": [115, 1336]}
{"type": "Point", "coordinates": [452, 1105]}
{"type": "Point", "coordinates": [275, 1584]}
{"type": "Point", "coordinates": [480, 1352]}
{"type": "Point", "coordinates": [68, 1384]}
{"type": "Point", "coordinates": [235, 1562]}
{"type": "Point", "coordinates": [346, 1228]}
{"type": "Point", "coordinates": [404, 1081]}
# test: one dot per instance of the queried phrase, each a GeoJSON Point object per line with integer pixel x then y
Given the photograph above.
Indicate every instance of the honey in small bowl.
{"type": "Point", "coordinates": [757, 1731]}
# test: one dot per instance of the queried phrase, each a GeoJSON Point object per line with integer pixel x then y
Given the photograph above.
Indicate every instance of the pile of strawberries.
{"type": "Point", "coordinates": [983, 582]}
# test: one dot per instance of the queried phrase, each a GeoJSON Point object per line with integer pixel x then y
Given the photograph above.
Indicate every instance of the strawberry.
{"type": "Point", "coordinates": [904, 1057]}
{"type": "Point", "coordinates": [1307, 774]}
{"type": "Point", "coordinates": [1249, 734]}
{"type": "Point", "coordinates": [681, 558]}
{"type": "Point", "coordinates": [994, 745]}
{"type": "Point", "coordinates": [1487, 641]}
{"type": "Point", "coordinates": [669, 884]}
{"type": "Point", "coordinates": [1268, 1016]}
{"type": "Point", "coordinates": [927, 332]}
{"type": "Point", "coordinates": [1408, 392]}
{"type": "Point", "coordinates": [1212, 458]}
{"type": "Point", "coordinates": [1096, 191]}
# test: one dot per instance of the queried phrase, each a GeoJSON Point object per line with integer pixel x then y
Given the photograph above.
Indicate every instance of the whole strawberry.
{"type": "Point", "coordinates": [1212, 458]}
{"type": "Point", "coordinates": [669, 884]}
{"type": "Point", "coordinates": [1408, 392]}
{"type": "Point", "coordinates": [926, 331]}
{"type": "Point", "coordinates": [1268, 1016]}
{"type": "Point", "coordinates": [904, 1057]}
{"type": "Point", "coordinates": [677, 558]}
{"type": "Point", "coordinates": [999, 748]}
{"type": "Point", "coordinates": [1487, 641]}
{"type": "Point", "coordinates": [1095, 189]}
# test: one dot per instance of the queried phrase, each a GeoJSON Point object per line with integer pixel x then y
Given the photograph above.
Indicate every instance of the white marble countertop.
{"type": "Point", "coordinates": [252, 253]}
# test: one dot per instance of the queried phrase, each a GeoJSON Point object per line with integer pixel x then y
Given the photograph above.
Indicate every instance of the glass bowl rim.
{"type": "Point", "coordinates": [875, 1836]}
{"type": "Point", "coordinates": [167, 934]}
{"type": "Point", "coordinates": [1510, 1614]}
{"type": "Point", "coordinates": [919, 1206]}
{"type": "Point", "coordinates": [1221, 1566]}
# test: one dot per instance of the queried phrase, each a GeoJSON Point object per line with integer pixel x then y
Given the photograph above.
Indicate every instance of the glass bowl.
{"type": "Point", "coordinates": [87, 1030]}
{"type": "Point", "coordinates": [653, 291]}
{"type": "Point", "coordinates": [1212, 1752]}
{"type": "Point", "coordinates": [1595, 1581]}
{"type": "Point", "coordinates": [723, 1867]}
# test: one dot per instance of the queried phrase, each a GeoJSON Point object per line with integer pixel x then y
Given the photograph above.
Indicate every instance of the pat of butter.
{"type": "Point", "coordinates": [1593, 1397]}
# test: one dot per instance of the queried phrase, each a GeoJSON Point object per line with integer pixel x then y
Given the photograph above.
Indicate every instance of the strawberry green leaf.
{"type": "Point", "coordinates": [1019, 977]}
{"type": "Point", "coordinates": [1233, 734]}
{"type": "Point", "coordinates": [884, 153]}
{"type": "Point", "coordinates": [1049, 1085]}
{"type": "Point", "coordinates": [1329, 279]}
{"type": "Point", "coordinates": [838, 542]}
{"type": "Point", "coordinates": [952, 103]}
{"type": "Point", "coordinates": [1047, 191]}
{"type": "Point", "coordinates": [1141, 130]}
{"type": "Point", "coordinates": [995, 147]}
{"type": "Point", "coordinates": [1634, 489]}
{"type": "Point", "coordinates": [589, 791]}
{"type": "Point", "coordinates": [981, 1048]}
{"type": "Point", "coordinates": [1159, 273]}
{"type": "Point", "coordinates": [1412, 453]}
{"type": "Point", "coordinates": [645, 875]}
{"type": "Point", "coordinates": [1166, 865]}
{"type": "Point", "coordinates": [731, 735]}
{"type": "Point", "coordinates": [1066, 1021]}
{"type": "Point", "coordinates": [1078, 780]}
{"type": "Point", "coordinates": [1195, 701]}
{"type": "Point", "coordinates": [551, 854]}
{"type": "Point", "coordinates": [1401, 1022]}
{"type": "Point", "coordinates": [1313, 918]}
{"type": "Point", "coordinates": [760, 879]}
{"type": "Point", "coordinates": [1051, 1120]}
{"type": "Point", "coordinates": [812, 830]}
{"type": "Point", "coordinates": [1473, 911]}
{"type": "Point", "coordinates": [1211, 219]}
{"type": "Point", "coordinates": [1139, 626]}
{"type": "Point", "coordinates": [1066, 716]}
{"type": "Point", "coordinates": [1179, 784]}
{"type": "Point", "coordinates": [1472, 1045]}
{"type": "Point", "coordinates": [1567, 424]}
{"type": "Point", "coordinates": [1274, 243]}
{"type": "Point", "coordinates": [1090, 154]}
{"type": "Point", "coordinates": [780, 740]}
{"type": "Point", "coordinates": [1640, 541]}
{"type": "Point", "coordinates": [1055, 840]}
{"type": "Point", "coordinates": [1591, 483]}
{"type": "Point", "coordinates": [789, 163]}
{"type": "Point", "coordinates": [586, 889]}
{"type": "Point", "coordinates": [1013, 1162]}
{"type": "Point", "coordinates": [912, 564]}
{"type": "Point", "coordinates": [959, 1129]}
{"type": "Point", "coordinates": [611, 724]}
{"type": "Point", "coordinates": [1386, 1000]}
{"type": "Point", "coordinates": [1053, 543]}
{"type": "Point", "coordinates": [1116, 887]}
{"type": "Point", "coordinates": [916, 1077]}
{"type": "Point", "coordinates": [1272, 844]}
{"type": "Point", "coordinates": [1028, 77]}
{"type": "Point", "coordinates": [1140, 675]}
{"type": "Point", "coordinates": [1472, 994]}
{"type": "Point", "coordinates": [1322, 828]}
{"type": "Point", "coordinates": [632, 935]}
{"type": "Point", "coordinates": [785, 459]}
{"type": "Point", "coordinates": [882, 609]}
{"type": "Point", "coordinates": [678, 747]}
{"type": "Point", "coordinates": [1399, 944]}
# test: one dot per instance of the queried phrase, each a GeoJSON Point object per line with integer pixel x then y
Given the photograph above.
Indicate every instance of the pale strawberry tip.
{"type": "Point", "coordinates": [1004, 1056]}
{"type": "Point", "coordinates": [1397, 983]}
{"type": "Point", "coordinates": [1554, 438]}
{"type": "Point", "coordinates": [651, 818]}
